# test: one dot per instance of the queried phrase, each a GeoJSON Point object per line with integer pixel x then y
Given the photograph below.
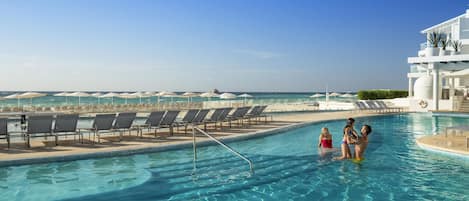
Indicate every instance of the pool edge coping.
{"type": "Point", "coordinates": [441, 150]}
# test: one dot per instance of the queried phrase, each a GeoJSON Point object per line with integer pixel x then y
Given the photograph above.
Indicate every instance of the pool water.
{"type": "Point", "coordinates": [287, 166]}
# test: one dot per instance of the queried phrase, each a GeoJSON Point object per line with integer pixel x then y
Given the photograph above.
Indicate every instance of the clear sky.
{"type": "Point", "coordinates": [198, 45]}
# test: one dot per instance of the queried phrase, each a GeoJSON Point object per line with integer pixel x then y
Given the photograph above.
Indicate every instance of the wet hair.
{"type": "Point", "coordinates": [367, 129]}
{"type": "Point", "coordinates": [325, 128]}
{"type": "Point", "coordinates": [350, 121]}
{"type": "Point", "coordinates": [347, 126]}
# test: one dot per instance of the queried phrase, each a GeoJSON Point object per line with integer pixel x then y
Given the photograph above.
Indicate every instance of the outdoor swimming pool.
{"type": "Point", "coordinates": [287, 166]}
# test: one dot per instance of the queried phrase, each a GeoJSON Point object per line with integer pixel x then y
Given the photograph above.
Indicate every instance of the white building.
{"type": "Point", "coordinates": [439, 79]}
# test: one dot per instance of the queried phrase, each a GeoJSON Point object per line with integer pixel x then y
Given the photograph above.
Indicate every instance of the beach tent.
{"type": "Point", "coordinates": [110, 95]}
{"type": "Point", "coordinates": [79, 95]}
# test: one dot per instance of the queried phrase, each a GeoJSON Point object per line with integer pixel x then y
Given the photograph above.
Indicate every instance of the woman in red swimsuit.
{"type": "Point", "coordinates": [325, 139]}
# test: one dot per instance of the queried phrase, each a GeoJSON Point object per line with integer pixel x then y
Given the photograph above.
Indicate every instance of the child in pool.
{"type": "Point", "coordinates": [348, 138]}
{"type": "Point", "coordinates": [325, 139]}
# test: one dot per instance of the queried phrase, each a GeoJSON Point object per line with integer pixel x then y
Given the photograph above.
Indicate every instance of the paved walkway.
{"type": "Point", "coordinates": [69, 149]}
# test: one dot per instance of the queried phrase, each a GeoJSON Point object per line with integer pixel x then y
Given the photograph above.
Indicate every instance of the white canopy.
{"type": "Point", "coordinates": [97, 94]}
{"type": "Point", "coordinates": [80, 94]}
{"type": "Point", "coordinates": [150, 93]}
{"type": "Point", "coordinates": [347, 95]}
{"type": "Point", "coordinates": [110, 95]}
{"type": "Point", "coordinates": [209, 95]}
{"type": "Point", "coordinates": [334, 94]}
{"type": "Point", "coordinates": [317, 95]}
{"type": "Point", "coordinates": [62, 94]}
{"type": "Point", "coordinates": [126, 95]}
{"type": "Point", "coordinates": [190, 94]}
{"type": "Point", "coordinates": [167, 94]}
{"type": "Point", "coordinates": [227, 96]}
{"type": "Point", "coordinates": [245, 95]}
{"type": "Point", "coordinates": [25, 95]}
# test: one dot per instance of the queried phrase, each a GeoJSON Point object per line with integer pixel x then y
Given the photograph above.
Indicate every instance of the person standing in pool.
{"type": "Point", "coordinates": [325, 139]}
{"type": "Point", "coordinates": [361, 147]}
{"type": "Point", "coordinates": [350, 137]}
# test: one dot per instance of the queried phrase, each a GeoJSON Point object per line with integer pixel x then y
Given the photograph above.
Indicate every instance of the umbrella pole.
{"type": "Point", "coordinates": [79, 99]}
{"type": "Point", "coordinates": [18, 102]}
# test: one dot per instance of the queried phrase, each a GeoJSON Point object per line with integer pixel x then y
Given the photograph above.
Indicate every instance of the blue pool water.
{"type": "Point", "coordinates": [288, 167]}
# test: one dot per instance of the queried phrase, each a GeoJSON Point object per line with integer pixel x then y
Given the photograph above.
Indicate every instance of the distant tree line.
{"type": "Point", "coordinates": [381, 94]}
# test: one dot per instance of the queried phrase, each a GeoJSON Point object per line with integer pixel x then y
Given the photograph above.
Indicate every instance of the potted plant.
{"type": "Point", "coordinates": [457, 45]}
{"type": "Point", "coordinates": [444, 43]}
{"type": "Point", "coordinates": [433, 39]}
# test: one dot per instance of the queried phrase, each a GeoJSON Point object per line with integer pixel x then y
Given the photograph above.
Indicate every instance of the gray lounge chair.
{"type": "Point", "coordinates": [124, 122]}
{"type": "Point", "coordinates": [213, 118]}
{"type": "Point", "coordinates": [102, 124]}
{"type": "Point", "coordinates": [66, 124]}
{"type": "Point", "coordinates": [199, 119]}
{"type": "Point", "coordinates": [238, 115]}
{"type": "Point", "coordinates": [39, 126]}
{"type": "Point", "coordinates": [187, 119]}
{"type": "Point", "coordinates": [168, 120]}
{"type": "Point", "coordinates": [153, 121]}
{"type": "Point", "coordinates": [4, 130]}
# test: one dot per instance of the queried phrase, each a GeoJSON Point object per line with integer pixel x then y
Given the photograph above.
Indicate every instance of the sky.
{"type": "Point", "coordinates": [199, 45]}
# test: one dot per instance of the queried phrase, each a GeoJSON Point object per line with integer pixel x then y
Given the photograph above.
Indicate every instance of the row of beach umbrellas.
{"type": "Point", "coordinates": [126, 96]}
{"type": "Point", "coordinates": [334, 94]}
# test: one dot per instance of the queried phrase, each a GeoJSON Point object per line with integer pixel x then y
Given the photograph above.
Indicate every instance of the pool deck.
{"type": "Point", "coordinates": [44, 151]}
{"type": "Point", "coordinates": [450, 144]}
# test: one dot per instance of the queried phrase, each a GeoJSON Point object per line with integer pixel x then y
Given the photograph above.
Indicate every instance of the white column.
{"type": "Point", "coordinates": [436, 83]}
{"type": "Point", "coordinates": [411, 87]}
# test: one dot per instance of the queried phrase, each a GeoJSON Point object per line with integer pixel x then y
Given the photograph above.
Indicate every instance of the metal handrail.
{"type": "Point", "coordinates": [194, 128]}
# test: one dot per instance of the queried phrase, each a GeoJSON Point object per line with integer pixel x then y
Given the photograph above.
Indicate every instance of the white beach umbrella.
{"type": "Point", "coordinates": [347, 95]}
{"type": "Point", "coordinates": [29, 95]}
{"type": "Point", "coordinates": [63, 94]}
{"type": "Point", "coordinates": [245, 96]}
{"type": "Point", "coordinates": [79, 94]}
{"type": "Point", "coordinates": [97, 95]}
{"type": "Point", "coordinates": [167, 94]}
{"type": "Point", "coordinates": [227, 96]}
{"type": "Point", "coordinates": [110, 95]}
{"type": "Point", "coordinates": [141, 95]}
{"type": "Point", "coordinates": [334, 94]}
{"type": "Point", "coordinates": [209, 95]}
{"type": "Point", "coordinates": [189, 95]}
{"type": "Point", "coordinates": [317, 95]}
{"type": "Point", "coordinates": [126, 96]}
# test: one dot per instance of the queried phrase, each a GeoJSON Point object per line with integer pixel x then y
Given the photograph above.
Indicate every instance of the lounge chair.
{"type": "Point", "coordinates": [66, 124]}
{"type": "Point", "coordinates": [188, 117]}
{"type": "Point", "coordinates": [153, 121]}
{"type": "Point", "coordinates": [102, 123]}
{"type": "Point", "coordinates": [213, 118]}
{"type": "Point", "coordinates": [39, 126]}
{"type": "Point", "coordinates": [224, 117]}
{"type": "Point", "coordinates": [4, 130]}
{"type": "Point", "coordinates": [168, 120]}
{"type": "Point", "coordinates": [124, 123]}
{"type": "Point", "coordinates": [199, 119]}
{"type": "Point", "coordinates": [238, 115]}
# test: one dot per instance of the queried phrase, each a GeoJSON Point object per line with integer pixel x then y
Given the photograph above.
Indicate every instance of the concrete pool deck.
{"type": "Point", "coordinates": [44, 151]}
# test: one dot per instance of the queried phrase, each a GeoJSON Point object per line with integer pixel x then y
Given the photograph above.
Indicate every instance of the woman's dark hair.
{"type": "Point", "coordinates": [367, 129]}
{"type": "Point", "coordinates": [347, 126]}
{"type": "Point", "coordinates": [350, 121]}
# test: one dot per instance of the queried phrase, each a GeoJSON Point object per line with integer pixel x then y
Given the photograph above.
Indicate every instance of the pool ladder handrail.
{"type": "Point", "coordinates": [194, 144]}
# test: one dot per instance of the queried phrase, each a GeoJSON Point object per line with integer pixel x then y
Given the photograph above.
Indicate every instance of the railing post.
{"type": "Point", "coordinates": [194, 145]}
